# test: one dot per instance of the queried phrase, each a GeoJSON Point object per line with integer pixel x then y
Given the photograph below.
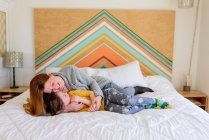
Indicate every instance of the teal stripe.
{"type": "Point", "coordinates": [76, 49]}
{"type": "Point", "coordinates": [134, 53]}
{"type": "Point", "coordinates": [104, 30]}
{"type": "Point", "coordinates": [68, 37]}
{"type": "Point", "coordinates": [144, 44]}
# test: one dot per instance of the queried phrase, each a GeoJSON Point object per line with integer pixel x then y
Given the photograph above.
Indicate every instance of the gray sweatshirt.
{"type": "Point", "coordinates": [75, 79]}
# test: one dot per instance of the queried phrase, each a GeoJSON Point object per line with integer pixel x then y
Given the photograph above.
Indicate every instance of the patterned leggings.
{"type": "Point", "coordinates": [125, 103]}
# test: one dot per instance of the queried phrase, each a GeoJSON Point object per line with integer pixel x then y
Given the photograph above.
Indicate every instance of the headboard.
{"type": "Point", "coordinates": [104, 38]}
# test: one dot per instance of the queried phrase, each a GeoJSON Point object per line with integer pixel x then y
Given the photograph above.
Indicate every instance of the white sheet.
{"type": "Point", "coordinates": [184, 121]}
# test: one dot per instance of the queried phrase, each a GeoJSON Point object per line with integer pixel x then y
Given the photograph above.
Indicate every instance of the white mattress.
{"type": "Point", "coordinates": [184, 121]}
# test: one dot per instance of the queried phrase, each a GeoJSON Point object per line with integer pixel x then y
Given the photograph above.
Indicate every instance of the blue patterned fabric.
{"type": "Point", "coordinates": [127, 103]}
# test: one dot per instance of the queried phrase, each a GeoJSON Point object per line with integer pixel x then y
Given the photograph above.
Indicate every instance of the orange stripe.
{"type": "Point", "coordinates": [102, 51]}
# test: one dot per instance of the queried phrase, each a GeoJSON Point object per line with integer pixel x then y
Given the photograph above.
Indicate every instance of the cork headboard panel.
{"type": "Point", "coordinates": [104, 38]}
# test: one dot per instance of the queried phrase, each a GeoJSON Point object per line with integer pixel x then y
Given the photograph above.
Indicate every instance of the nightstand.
{"type": "Point", "coordinates": [198, 98]}
{"type": "Point", "coordinates": [8, 93]}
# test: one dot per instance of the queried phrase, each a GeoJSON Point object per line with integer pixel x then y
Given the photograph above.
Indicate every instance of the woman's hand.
{"type": "Point", "coordinates": [96, 103]}
{"type": "Point", "coordinates": [73, 107]}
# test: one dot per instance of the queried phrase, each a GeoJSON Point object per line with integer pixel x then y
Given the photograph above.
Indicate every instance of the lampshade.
{"type": "Point", "coordinates": [14, 59]}
{"type": "Point", "coordinates": [185, 3]}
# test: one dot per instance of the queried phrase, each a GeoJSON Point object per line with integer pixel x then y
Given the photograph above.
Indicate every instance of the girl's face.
{"type": "Point", "coordinates": [55, 84]}
{"type": "Point", "coordinates": [64, 97]}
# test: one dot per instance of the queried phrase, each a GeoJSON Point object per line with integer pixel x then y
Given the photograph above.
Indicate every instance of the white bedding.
{"type": "Point", "coordinates": [184, 121]}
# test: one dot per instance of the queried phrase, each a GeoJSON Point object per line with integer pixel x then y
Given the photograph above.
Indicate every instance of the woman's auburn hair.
{"type": "Point", "coordinates": [36, 94]}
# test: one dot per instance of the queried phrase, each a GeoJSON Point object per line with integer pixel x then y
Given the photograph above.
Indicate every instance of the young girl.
{"type": "Point", "coordinates": [114, 101]}
{"type": "Point", "coordinates": [57, 102]}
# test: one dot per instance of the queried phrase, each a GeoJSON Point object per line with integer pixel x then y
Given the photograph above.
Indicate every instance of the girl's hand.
{"type": "Point", "coordinates": [96, 103]}
{"type": "Point", "coordinates": [73, 107]}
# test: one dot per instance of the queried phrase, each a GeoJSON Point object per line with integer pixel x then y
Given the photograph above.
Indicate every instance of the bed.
{"type": "Point", "coordinates": [185, 121]}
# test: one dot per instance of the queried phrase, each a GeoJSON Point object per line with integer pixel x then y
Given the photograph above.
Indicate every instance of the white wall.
{"type": "Point", "coordinates": [22, 36]}
{"type": "Point", "coordinates": [203, 61]}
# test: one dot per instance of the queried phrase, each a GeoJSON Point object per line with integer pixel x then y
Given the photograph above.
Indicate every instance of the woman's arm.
{"type": "Point", "coordinates": [79, 78]}
{"type": "Point", "coordinates": [72, 73]}
{"type": "Point", "coordinates": [89, 81]}
{"type": "Point", "coordinates": [92, 95]}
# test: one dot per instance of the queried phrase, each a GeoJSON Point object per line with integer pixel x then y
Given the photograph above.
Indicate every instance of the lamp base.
{"type": "Point", "coordinates": [186, 88]}
{"type": "Point", "coordinates": [14, 87]}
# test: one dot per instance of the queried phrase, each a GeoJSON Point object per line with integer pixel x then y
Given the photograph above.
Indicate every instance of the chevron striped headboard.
{"type": "Point", "coordinates": [104, 38]}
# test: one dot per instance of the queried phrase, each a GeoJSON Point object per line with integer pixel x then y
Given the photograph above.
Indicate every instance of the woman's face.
{"type": "Point", "coordinates": [55, 84]}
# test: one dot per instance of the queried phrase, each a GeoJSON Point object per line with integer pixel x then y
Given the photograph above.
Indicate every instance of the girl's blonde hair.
{"type": "Point", "coordinates": [36, 94]}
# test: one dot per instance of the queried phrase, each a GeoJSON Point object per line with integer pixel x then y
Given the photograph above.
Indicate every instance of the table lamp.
{"type": "Point", "coordinates": [14, 60]}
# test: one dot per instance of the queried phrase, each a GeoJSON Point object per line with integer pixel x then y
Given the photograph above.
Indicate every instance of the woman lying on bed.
{"type": "Point", "coordinates": [71, 78]}
{"type": "Point", "coordinates": [114, 101]}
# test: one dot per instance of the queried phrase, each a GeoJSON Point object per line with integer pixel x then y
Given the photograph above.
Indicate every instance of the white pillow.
{"type": "Point", "coordinates": [125, 75]}
{"type": "Point", "coordinates": [52, 69]}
